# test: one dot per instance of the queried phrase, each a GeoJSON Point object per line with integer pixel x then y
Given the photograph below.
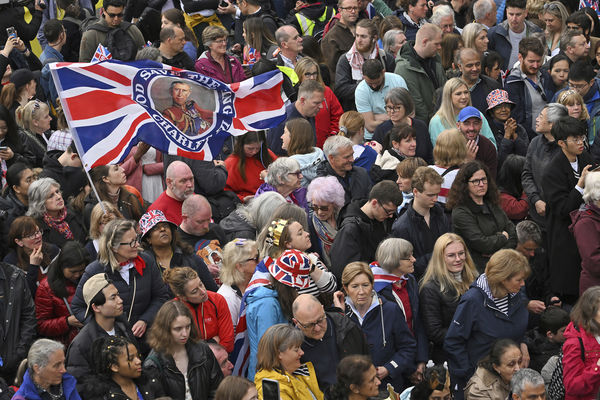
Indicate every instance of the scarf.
{"type": "Point", "coordinates": [114, 198]}
{"type": "Point", "coordinates": [383, 278]}
{"type": "Point", "coordinates": [59, 224]}
{"type": "Point", "coordinates": [356, 61]}
{"type": "Point", "coordinates": [326, 234]}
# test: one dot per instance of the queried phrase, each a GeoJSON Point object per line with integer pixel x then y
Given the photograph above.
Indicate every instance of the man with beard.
{"type": "Point", "coordinates": [180, 186]}
{"type": "Point", "coordinates": [479, 147]}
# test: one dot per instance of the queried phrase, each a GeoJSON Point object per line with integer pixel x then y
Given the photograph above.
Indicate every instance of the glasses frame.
{"type": "Point", "coordinates": [312, 325]}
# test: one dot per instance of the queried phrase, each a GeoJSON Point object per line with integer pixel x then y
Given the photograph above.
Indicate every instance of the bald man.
{"type": "Point", "coordinates": [421, 67]}
{"type": "Point", "coordinates": [469, 64]}
{"type": "Point", "coordinates": [180, 185]}
{"type": "Point", "coordinates": [328, 337]}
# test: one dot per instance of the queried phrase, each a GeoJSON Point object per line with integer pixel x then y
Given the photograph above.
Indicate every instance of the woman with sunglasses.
{"type": "Point", "coordinates": [284, 177]}
{"type": "Point", "coordinates": [136, 276]}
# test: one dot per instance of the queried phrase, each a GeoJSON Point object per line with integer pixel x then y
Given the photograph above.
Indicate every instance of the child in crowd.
{"type": "Point", "coordinates": [405, 170]}
{"type": "Point", "coordinates": [546, 340]}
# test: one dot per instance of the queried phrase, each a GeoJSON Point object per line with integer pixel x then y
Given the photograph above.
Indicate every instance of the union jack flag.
{"type": "Point", "coordinates": [101, 54]}
{"type": "Point", "coordinates": [381, 277]}
{"type": "Point", "coordinates": [112, 105]}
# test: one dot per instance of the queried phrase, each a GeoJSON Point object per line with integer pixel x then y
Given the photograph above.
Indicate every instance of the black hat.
{"type": "Point", "coordinates": [23, 76]}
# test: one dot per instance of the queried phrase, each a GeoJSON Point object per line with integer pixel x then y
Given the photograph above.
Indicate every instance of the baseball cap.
{"type": "Point", "coordinates": [23, 76]}
{"type": "Point", "coordinates": [92, 287]}
{"type": "Point", "coordinates": [468, 112]}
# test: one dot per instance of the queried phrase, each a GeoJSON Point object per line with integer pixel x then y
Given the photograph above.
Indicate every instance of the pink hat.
{"type": "Point", "coordinates": [292, 268]}
{"type": "Point", "coordinates": [497, 97]}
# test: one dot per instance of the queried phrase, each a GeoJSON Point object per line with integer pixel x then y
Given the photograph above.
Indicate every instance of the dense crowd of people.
{"type": "Point", "coordinates": [425, 222]}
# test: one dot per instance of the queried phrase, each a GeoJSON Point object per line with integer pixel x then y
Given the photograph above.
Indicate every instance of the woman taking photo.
{"type": "Point", "coordinates": [30, 251]}
{"type": "Point", "coordinates": [57, 223]}
{"type": "Point", "coordinates": [326, 196]}
{"type": "Point", "coordinates": [448, 276]}
{"type": "Point", "coordinates": [352, 126]}
{"type": "Point", "coordinates": [117, 372]}
{"type": "Point", "coordinates": [182, 363]}
{"type": "Point", "coordinates": [53, 298]}
{"type": "Point", "coordinates": [247, 164]}
{"type": "Point", "coordinates": [297, 140]}
{"type": "Point", "coordinates": [474, 36]}
{"type": "Point", "coordinates": [209, 310]}
{"type": "Point", "coordinates": [284, 177]}
{"type": "Point", "coordinates": [400, 107]}
{"type": "Point", "coordinates": [215, 62]}
{"type": "Point", "coordinates": [327, 120]}
{"type": "Point", "coordinates": [455, 97]}
{"type": "Point", "coordinates": [161, 241]}
{"type": "Point", "coordinates": [493, 308]}
{"type": "Point", "coordinates": [450, 153]}
{"type": "Point", "coordinates": [46, 376]}
{"type": "Point", "coordinates": [279, 356]}
{"type": "Point", "coordinates": [240, 257]}
{"type": "Point", "coordinates": [494, 372]}
{"type": "Point", "coordinates": [476, 213]}
{"type": "Point", "coordinates": [136, 276]}
{"type": "Point", "coordinates": [392, 345]}
{"type": "Point", "coordinates": [34, 120]}
{"type": "Point", "coordinates": [22, 84]}
{"type": "Point", "coordinates": [356, 379]}
{"type": "Point", "coordinates": [554, 15]}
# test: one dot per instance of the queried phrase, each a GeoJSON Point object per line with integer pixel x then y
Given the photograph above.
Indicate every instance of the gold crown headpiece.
{"type": "Point", "coordinates": [275, 230]}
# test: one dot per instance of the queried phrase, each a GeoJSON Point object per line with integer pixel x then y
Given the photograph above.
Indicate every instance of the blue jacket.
{"type": "Point", "coordinates": [48, 56]}
{"type": "Point", "coordinates": [29, 391]}
{"type": "Point", "coordinates": [419, 329]}
{"type": "Point", "coordinates": [477, 323]}
{"type": "Point", "coordinates": [410, 28]}
{"type": "Point", "coordinates": [390, 342]}
{"type": "Point", "coordinates": [500, 42]}
{"type": "Point", "coordinates": [262, 311]}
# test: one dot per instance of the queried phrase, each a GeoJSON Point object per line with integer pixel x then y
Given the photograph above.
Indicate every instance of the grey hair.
{"type": "Point", "coordinates": [149, 53]}
{"type": "Point", "coordinates": [277, 172]}
{"type": "Point", "coordinates": [401, 96]}
{"type": "Point", "coordinates": [260, 209]}
{"type": "Point", "coordinates": [40, 352]}
{"type": "Point", "coordinates": [333, 144]}
{"type": "Point", "coordinates": [523, 377]}
{"type": "Point", "coordinates": [441, 12]}
{"type": "Point", "coordinates": [528, 230]}
{"type": "Point", "coordinates": [391, 251]}
{"type": "Point", "coordinates": [389, 39]}
{"type": "Point", "coordinates": [555, 112]}
{"type": "Point", "coordinates": [282, 35]}
{"type": "Point", "coordinates": [38, 194]}
{"type": "Point", "coordinates": [111, 236]}
{"type": "Point", "coordinates": [470, 32]}
{"type": "Point", "coordinates": [481, 8]}
{"type": "Point", "coordinates": [591, 193]}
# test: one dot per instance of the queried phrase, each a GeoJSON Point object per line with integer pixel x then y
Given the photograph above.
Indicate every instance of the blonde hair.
{"type": "Point", "coordinates": [355, 269]}
{"type": "Point", "coordinates": [235, 252]}
{"type": "Point", "coordinates": [437, 270]}
{"type": "Point", "coordinates": [305, 63]}
{"type": "Point", "coordinates": [351, 123]}
{"type": "Point", "coordinates": [505, 264]}
{"type": "Point", "coordinates": [450, 148]}
{"type": "Point", "coordinates": [98, 216]}
{"type": "Point", "coordinates": [447, 113]}
{"type": "Point", "coordinates": [110, 240]}
{"type": "Point", "coordinates": [570, 98]}
{"type": "Point", "coordinates": [30, 112]}
{"type": "Point", "coordinates": [470, 33]}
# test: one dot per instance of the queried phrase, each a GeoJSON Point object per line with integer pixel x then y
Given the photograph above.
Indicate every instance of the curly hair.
{"type": "Point", "coordinates": [105, 353]}
{"type": "Point", "coordinates": [350, 371]}
{"type": "Point", "coordinates": [459, 192]}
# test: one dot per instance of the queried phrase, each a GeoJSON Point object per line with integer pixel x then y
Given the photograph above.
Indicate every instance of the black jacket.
{"type": "Point", "coordinates": [204, 373]}
{"type": "Point", "coordinates": [412, 227]}
{"type": "Point", "coordinates": [424, 146]}
{"type": "Point", "coordinates": [78, 357]}
{"type": "Point", "coordinates": [356, 184]}
{"type": "Point", "coordinates": [180, 60]}
{"type": "Point", "coordinates": [17, 318]}
{"type": "Point", "coordinates": [53, 236]}
{"type": "Point", "coordinates": [71, 179]}
{"type": "Point", "coordinates": [436, 311]}
{"type": "Point", "coordinates": [100, 387]}
{"type": "Point", "coordinates": [481, 90]}
{"type": "Point", "coordinates": [357, 239]}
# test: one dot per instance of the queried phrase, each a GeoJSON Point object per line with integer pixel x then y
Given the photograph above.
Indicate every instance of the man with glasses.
{"type": "Point", "coordinates": [371, 92]}
{"type": "Point", "coordinates": [479, 147]}
{"type": "Point", "coordinates": [328, 337]}
{"type": "Point", "coordinates": [340, 37]}
{"type": "Point", "coordinates": [563, 183]}
{"type": "Point", "coordinates": [574, 45]}
{"type": "Point", "coordinates": [127, 41]}
{"type": "Point", "coordinates": [364, 226]}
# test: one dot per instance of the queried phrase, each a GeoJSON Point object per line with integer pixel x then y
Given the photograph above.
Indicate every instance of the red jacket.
{"type": "Point", "coordinates": [586, 229]}
{"type": "Point", "coordinates": [51, 313]}
{"type": "Point", "coordinates": [236, 184]}
{"type": "Point", "coordinates": [581, 378]}
{"type": "Point", "coordinates": [515, 209]}
{"type": "Point", "coordinates": [327, 120]}
{"type": "Point", "coordinates": [212, 318]}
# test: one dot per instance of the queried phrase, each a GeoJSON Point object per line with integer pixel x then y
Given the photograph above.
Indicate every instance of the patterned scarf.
{"type": "Point", "coordinates": [59, 223]}
{"type": "Point", "coordinates": [326, 233]}
{"type": "Point", "coordinates": [356, 61]}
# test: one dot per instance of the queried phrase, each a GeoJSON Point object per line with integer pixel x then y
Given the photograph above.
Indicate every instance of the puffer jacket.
{"type": "Point", "coordinates": [300, 385]}
{"type": "Point", "coordinates": [204, 373]}
{"type": "Point", "coordinates": [51, 313]}
{"type": "Point", "coordinates": [580, 377]}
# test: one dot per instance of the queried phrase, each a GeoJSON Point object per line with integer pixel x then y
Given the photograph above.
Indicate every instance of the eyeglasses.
{"type": "Point", "coordinates": [33, 235]}
{"type": "Point", "coordinates": [297, 173]}
{"type": "Point", "coordinates": [393, 109]}
{"type": "Point", "coordinates": [579, 86]}
{"type": "Point", "coordinates": [118, 15]}
{"type": "Point", "coordinates": [578, 140]}
{"type": "Point", "coordinates": [312, 325]}
{"type": "Point", "coordinates": [317, 208]}
{"type": "Point", "coordinates": [351, 9]}
{"type": "Point", "coordinates": [477, 182]}
{"type": "Point", "coordinates": [389, 213]}
{"type": "Point", "coordinates": [133, 243]}
{"type": "Point", "coordinates": [311, 74]}
{"type": "Point", "coordinates": [220, 41]}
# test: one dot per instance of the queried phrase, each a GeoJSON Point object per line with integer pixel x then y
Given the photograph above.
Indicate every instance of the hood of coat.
{"type": "Point", "coordinates": [585, 212]}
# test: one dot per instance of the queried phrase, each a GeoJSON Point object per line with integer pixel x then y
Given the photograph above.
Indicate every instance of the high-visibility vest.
{"type": "Point", "coordinates": [308, 25]}
{"type": "Point", "coordinates": [290, 74]}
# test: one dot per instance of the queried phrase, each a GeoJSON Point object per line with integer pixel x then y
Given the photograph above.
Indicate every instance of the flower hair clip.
{"type": "Point", "coordinates": [275, 230]}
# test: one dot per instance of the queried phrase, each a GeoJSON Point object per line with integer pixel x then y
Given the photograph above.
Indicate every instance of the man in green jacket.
{"type": "Point", "coordinates": [419, 64]}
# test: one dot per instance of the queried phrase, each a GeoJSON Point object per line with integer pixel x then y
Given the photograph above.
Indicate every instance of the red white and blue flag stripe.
{"type": "Point", "coordinates": [110, 107]}
{"type": "Point", "coordinates": [381, 277]}
{"type": "Point", "coordinates": [101, 54]}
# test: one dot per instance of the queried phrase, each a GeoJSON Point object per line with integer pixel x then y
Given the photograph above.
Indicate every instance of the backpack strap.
{"type": "Point", "coordinates": [581, 345]}
{"type": "Point", "coordinates": [448, 170]}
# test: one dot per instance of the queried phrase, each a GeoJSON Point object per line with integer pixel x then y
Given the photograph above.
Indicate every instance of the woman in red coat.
{"type": "Point", "coordinates": [53, 299]}
{"type": "Point", "coordinates": [582, 377]}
